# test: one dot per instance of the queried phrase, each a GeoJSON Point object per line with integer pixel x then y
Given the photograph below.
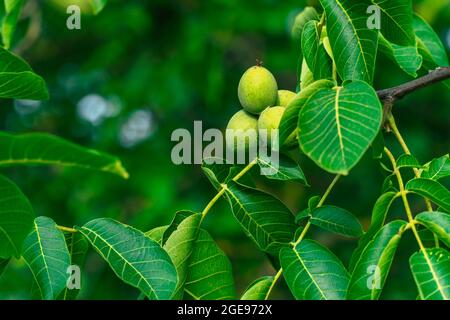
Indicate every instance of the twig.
{"type": "Point", "coordinates": [389, 96]}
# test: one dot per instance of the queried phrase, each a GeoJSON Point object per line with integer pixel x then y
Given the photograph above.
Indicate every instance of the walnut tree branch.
{"type": "Point", "coordinates": [389, 96]}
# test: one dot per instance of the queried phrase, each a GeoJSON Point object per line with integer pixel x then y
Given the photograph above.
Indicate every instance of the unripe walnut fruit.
{"type": "Point", "coordinates": [257, 90]}
{"type": "Point", "coordinates": [241, 127]}
{"type": "Point", "coordinates": [285, 97]}
{"type": "Point", "coordinates": [269, 120]}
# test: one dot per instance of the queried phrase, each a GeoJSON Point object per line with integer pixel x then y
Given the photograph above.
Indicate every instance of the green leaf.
{"type": "Point", "coordinates": [312, 272]}
{"type": "Point", "coordinates": [431, 271]}
{"type": "Point", "coordinates": [77, 246]}
{"type": "Point", "coordinates": [408, 161]}
{"type": "Point", "coordinates": [337, 220]}
{"type": "Point", "coordinates": [371, 270]}
{"type": "Point", "coordinates": [397, 21]}
{"type": "Point", "coordinates": [430, 45]}
{"type": "Point", "coordinates": [438, 223]}
{"type": "Point", "coordinates": [210, 275]}
{"type": "Point", "coordinates": [45, 252]}
{"type": "Point", "coordinates": [3, 265]}
{"type": "Point", "coordinates": [288, 123]}
{"type": "Point", "coordinates": [157, 234]}
{"type": "Point", "coordinates": [406, 57]}
{"type": "Point", "coordinates": [388, 184]}
{"type": "Point", "coordinates": [11, 14]}
{"type": "Point", "coordinates": [179, 217]}
{"type": "Point", "coordinates": [17, 79]}
{"type": "Point", "coordinates": [216, 172]}
{"type": "Point", "coordinates": [314, 52]}
{"type": "Point", "coordinates": [265, 219]}
{"type": "Point", "coordinates": [313, 202]}
{"type": "Point", "coordinates": [354, 45]}
{"type": "Point", "coordinates": [437, 169]}
{"type": "Point", "coordinates": [308, 14]}
{"type": "Point", "coordinates": [45, 149]}
{"type": "Point", "coordinates": [285, 170]}
{"type": "Point", "coordinates": [98, 5]}
{"type": "Point", "coordinates": [258, 290]}
{"type": "Point", "coordinates": [135, 258]}
{"type": "Point", "coordinates": [379, 214]}
{"type": "Point", "coordinates": [338, 125]}
{"type": "Point", "coordinates": [431, 190]}
{"type": "Point", "coordinates": [180, 245]}
{"type": "Point", "coordinates": [16, 218]}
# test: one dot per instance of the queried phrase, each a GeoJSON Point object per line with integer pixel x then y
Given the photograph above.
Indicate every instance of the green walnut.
{"type": "Point", "coordinates": [241, 128]}
{"type": "Point", "coordinates": [257, 90]}
{"type": "Point", "coordinates": [270, 120]}
{"type": "Point", "coordinates": [285, 97]}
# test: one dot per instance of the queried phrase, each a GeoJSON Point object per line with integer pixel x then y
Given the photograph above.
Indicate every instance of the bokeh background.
{"type": "Point", "coordinates": [143, 68]}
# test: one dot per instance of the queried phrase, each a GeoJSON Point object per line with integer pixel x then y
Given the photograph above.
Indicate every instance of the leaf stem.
{"type": "Point", "coordinates": [403, 193]}
{"type": "Point", "coordinates": [224, 187]}
{"type": "Point", "coordinates": [66, 229]}
{"type": "Point", "coordinates": [305, 230]}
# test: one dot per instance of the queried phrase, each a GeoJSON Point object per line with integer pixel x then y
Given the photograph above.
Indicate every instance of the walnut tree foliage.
{"type": "Point", "coordinates": [337, 115]}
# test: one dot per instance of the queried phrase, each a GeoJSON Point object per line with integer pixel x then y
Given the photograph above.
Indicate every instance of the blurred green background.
{"type": "Point", "coordinates": [141, 69]}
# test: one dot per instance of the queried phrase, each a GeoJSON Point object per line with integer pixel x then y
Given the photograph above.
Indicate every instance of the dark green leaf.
{"type": "Point", "coordinates": [77, 246]}
{"type": "Point", "coordinates": [431, 190]}
{"type": "Point", "coordinates": [16, 218]}
{"type": "Point", "coordinates": [378, 146]}
{"type": "Point", "coordinates": [371, 270]}
{"type": "Point", "coordinates": [397, 21]}
{"type": "Point", "coordinates": [431, 271]}
{"type": "Point", "coordinates": [134, 257]}
{"type": "Point", "coordinates": [312, 272]}
{"type": "Point", "coordinates": [264, 218]}
{"type": "Point", "coordinates": [17, 79]}
{"type": "Point", "coordinates": [437, 169]}
{"type": "Point", "coordinates": [285, 170]}
{"type": "Point", "coordinates": [45, 149]}
{"type": "Point", "coordinates": [438, 223]}
{"type": "Point", "coordinates": [3, 265]}
{"type": "Point", "coordinates": [354, 45]}
{"type": "Point", "coordinates": [337, 220]}
{"type": "Point", "coordinates": [338, 125]}
{"type": "Point", "coordinates": [408, 161]}
{"type": "Point", "coordinates": [45, 252]}
{"type": "Point", "coordinates": [379, 214]}
{"type": "Point", "coordinates": [210, 275]}
{"type": "Point", "coordinates": [258, 290]}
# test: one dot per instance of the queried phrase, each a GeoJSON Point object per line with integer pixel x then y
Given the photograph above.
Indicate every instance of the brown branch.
{"type": "Point", "coordinates": [389, 96]}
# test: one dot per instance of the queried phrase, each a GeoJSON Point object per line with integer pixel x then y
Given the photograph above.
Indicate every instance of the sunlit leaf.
{"type": "Point", "coordinates": [438, 223]}
{"type": "Point", "coordinates": [45, 149]}
{"type": "Point", "coordinates": [431, 271]}
{"type": "Point", "coordinates": [46, 254]}
{"type": "Point", "coordinates": [312, 272]}
{"type": "Point", "coordinates": [289, 121]}
{"type": "Point", "coordinates": [408, 161]}
{"type": "Point", "coordinates": [265, 219]}
{"type": "Point", "coordinates": [371, 270]}
{"type": "Point", "coordinates": [16, 218]}
{"type": "Point", "coordinates": [314, 52]}
{"type": "Point", "coordinates": [134, 257]}
{"type": "Point", "coordinates": [337, 126]}
{"type": "Point", "coordinates": [98, 5]}
{"type": "Point", "coordinates": [285, 169]}
{"type": "Point", "coordinates": [431, 190]}
{"type": "Point", "coordinates": [210, 275]}
{"type": "Point", "coordinates": [258, 290]}
{"type": "Point", "coordinates": [12, 10]}
{"type": "Point", "coordinates": [180, 245]}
